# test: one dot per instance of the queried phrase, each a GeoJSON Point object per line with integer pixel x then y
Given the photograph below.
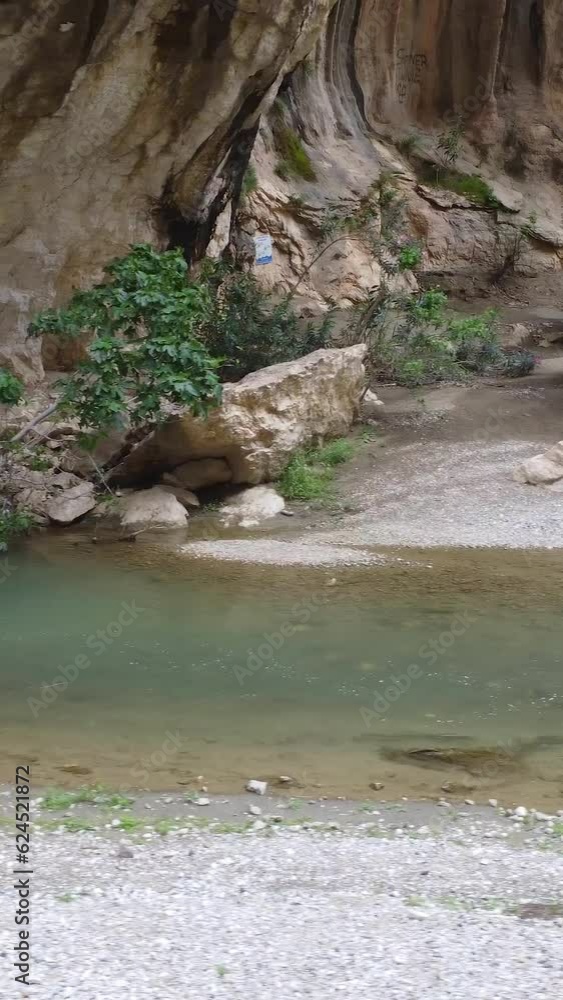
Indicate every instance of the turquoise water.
{"type": "Point", "coordinates": [172, 674]}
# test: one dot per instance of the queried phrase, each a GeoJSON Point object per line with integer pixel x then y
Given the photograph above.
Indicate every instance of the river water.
{"type": "Point", "coordinates": [126, 667]}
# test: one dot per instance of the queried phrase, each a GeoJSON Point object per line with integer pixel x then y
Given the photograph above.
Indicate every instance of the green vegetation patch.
{"type": "Point", "coordinates": [59, 800]}
{"type": "Point", "coordinates": [470, 186]}
{"type": "Point", "coordinates": [250, 180]}
{"type": "Point", "coordinates": [309, 474]}
{"type": "Point", "coordinates": [294, 158]}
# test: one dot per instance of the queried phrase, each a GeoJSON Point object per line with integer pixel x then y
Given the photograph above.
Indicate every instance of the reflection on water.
{"type": "Point", "coordinates": [143, 677]}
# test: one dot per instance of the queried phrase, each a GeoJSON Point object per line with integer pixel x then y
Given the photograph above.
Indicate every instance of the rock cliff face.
{"type": "Point", "coordinates": [129, 120]}
{"type": "Point", "coordinates": [390, 75]}
{"type": "Point", "coordinates": [125, 120]}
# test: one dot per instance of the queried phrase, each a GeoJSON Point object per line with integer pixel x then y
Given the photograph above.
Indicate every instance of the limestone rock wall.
{"type": "Point", "coordinates": [121, 121]}
{"type": "Point", "coordinates": [388, 70]}
{"type": "Point", "coordinates": [129, 120]}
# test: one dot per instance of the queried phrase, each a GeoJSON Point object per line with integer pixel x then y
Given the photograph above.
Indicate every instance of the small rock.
{"type": "Point", "coordinates": [332, 582]}
{"type": "Point", "coordinates": [521, 811]}
{"type": "Point", "coordinates": [493, 803]}
{"type": "Point", "coordinates": [259, 825]}
{"type": "Point", "coordinates": [258, 787]}
{"type": "Point", "coordinates": [469, 802]}
{"type": "Point", "coordinates": [201, 802]}
{"type": "Point", "coordinates": [376, 785]}
{"type": "Point", "coordinates": [255, 810]}
{"type": "Point", "coordinates": [285, 779]}
{"type": "Point", "coordinates": [125, 852]}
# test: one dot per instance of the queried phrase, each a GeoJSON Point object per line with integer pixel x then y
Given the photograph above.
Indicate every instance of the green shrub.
{"type": "Point", "coordinates": [13, 522]}
{"type": "Point", "coordinates": [247, 328]}
{"type": "Point", "coordinates": [409, 257]}
{"type": "Point", "coordinates": [518, 362]}
{"type": "Point", "coordinates": [145, 350]}
{"type": "Point", "coordinates": [415, 341]}
{"type": "Point", "coordinates": [449, 142]}
{"type": "Point", "coordinates": [250, 180]}
{"type": "Point", "coordinates": [11, 389]}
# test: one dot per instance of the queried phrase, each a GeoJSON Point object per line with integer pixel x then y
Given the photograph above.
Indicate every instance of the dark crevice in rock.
{"type": "Point", "coordinates": [198, 230]}
{"type": "Point", "coordinates": [221, 13]}
{"type": "Point", "coordinates": [351, 62]}
{"type": "Point", "coordinates": [537, 32]}
{"type": "Point", "coordinates": [174, 226]}
{"type": "Point", "coordinates": [174, 37]}
{"type": "Point", "coordinates": [98, 16]}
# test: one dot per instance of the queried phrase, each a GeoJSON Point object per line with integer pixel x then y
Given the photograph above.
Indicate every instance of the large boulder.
{"type": "Point", "coordinates": [262, 420]}
{"type": "Point", "coordinates": [542, 469]}
{"type": "Point", "coordinates": [154, 509]}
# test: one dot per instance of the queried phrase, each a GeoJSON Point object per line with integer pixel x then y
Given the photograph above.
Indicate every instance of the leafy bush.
{"type": "Point", "coordinates": [409, 257]}
{"type": "Point", "coordinates": [13, 522]}
{"type": "Point", "coordinates": [415, 341]}
{"type": "Point", "coordinates": [449, 142]}
{"type": "Point", "coordinates": [11, 389]}
{"type": "Point", "coordinates": [145, 350]}
{"type": "Point", "coordinates": [518, 362]}
{"type": "Point", "coordinates": [246, 328]}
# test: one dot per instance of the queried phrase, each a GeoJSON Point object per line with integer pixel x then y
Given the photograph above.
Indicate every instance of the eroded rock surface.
{"type": "Point", "coordinates": [122, 122]}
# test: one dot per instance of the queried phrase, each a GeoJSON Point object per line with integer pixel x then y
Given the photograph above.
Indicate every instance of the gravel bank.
{"type": "Point", "coordinates": [284, 913]}
{"type": "Point", "coordinates": [451, 494]}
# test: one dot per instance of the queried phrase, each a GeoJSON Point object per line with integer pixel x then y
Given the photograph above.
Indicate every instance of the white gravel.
{"type": "Point", "coordinates": [451, 494]}
{"type": "Point", "coordinates": [283, 914]}
{"type": "Point", "coordinates": [268, 551]}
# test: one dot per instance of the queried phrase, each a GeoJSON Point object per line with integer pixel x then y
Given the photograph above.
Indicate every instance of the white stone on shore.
{"type": "Point", "coordinates": [258, 787]}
